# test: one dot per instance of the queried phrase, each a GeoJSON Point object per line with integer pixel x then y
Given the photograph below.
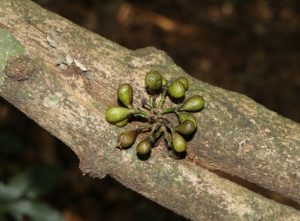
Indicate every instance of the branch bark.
{"type": "Point", "coordinates": [42, 72]}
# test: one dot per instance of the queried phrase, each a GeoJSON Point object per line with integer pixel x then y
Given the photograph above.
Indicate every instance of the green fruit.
{"type": "Point", "coordinates": [144, 147]}
{"type": "Point", "coordinates": [125, 94]}
{"type": "Point", "coordinates": [176, 89]}
{"type": "Point", "coordinates": [184, 81]}
{"type": "Point", "coordinates": [178, 143]}
{"type": "Point", "coordinates": [153, 81]}
{"type": "Point", "coordinates": [194, 103]}
{"type": "Point", "coordinates": [122, 123]}
{"type": "Point", "coordinates": [186, 128]}
{"type": "Point", "coordinates": [116, 114]}
{"type": "Point", "coordinates": [127, 139]}
{"type": "Point", "coordinates": [185, 116]}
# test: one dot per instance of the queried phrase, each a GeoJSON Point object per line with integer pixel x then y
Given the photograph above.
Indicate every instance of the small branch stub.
{"type": "Point", "coordinates": [20, 68]}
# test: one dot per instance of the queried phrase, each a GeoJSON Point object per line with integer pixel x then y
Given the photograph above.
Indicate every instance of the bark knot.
{"type": "Point", "coordinates": [20, 68]}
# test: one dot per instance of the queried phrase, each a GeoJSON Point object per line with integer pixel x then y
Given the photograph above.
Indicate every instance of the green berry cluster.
{"type": "Point", "coordinates": [157, 122]}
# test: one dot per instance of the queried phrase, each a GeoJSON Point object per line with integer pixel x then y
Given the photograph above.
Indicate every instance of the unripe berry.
{"type": "Point", "coordinates": [184, 81]}
{"type": "Point", "coordinates": [116, 114]}
{"type": "Point", "coordinates": [153, 81]}
{"type": "Point", "coordinates": [125, 94]}
{"type": "Point", "coordinates": [127, 139]}
{"type": "Point", "coordinates": [186, 128]}
{"type": "Point", "coordinates": [192, 104]}
{"type": "Point", "coordinates": [178, 143]}
{"type": "Point", "coordinates": [144, 148]}
{"type": "Point", "coordinates": [186, 116]}
{"type": "Point", "coordinates": [176, 89]}
{"type": "Point", "coordinates": [122, 123]}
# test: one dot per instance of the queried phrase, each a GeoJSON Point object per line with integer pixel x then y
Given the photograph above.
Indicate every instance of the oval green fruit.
{"type": "Point", "coordinates": [116, 114]}
{"type": "Point", "coordinates": [186, 116]}
{"type": "Point", "coordinates": [176, 89]}
{"type": "Point", "coordinates": [125, 94]}
{"type": "Point", "coordinates": [184, 81]}
{"type": "Point", "coordinates": [194, 103]}
{"type": "Point", "coordinates": [122, 123]}
{"type": "Point", "coordinates": [186, 128]}
{"type": "Point", "coordinates": [144, 147]}
{"type": "Point", "coordinates": [127, 139]}
{"type": "Point", "coordinates": [178, 143]}
{"type": "Point", "coordinates": [153, 81]}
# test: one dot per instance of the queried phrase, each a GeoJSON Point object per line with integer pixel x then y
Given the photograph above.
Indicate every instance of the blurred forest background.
{"type": "Point", "coordinates": [252, 47]}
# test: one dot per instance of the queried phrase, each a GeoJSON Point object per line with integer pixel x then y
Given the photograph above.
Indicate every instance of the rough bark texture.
{"type": "Point", "coordinates": [235, 135]}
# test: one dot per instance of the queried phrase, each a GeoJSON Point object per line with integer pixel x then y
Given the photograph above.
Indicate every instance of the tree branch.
{"type": "Point", "coordinates": [64, 77]}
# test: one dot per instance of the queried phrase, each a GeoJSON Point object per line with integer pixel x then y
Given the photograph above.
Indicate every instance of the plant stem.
{"type": "Point", "coordinates": [152, 101]}
{"type": "Point", "coordinates": [169, 110]}
{"type": "Point", "coordinates": [163, 97]}
{"type": "Point", "coordinates": [144, 129]}
{"type": "Point", "coordinates": [147, 107]}
{"type": "Point", "coordinates": [154, 128]}
{"type": "Point", "coordinates": [139, 113]}
{"type": "Point", "coordinates": [166, 136]}
{"type": "Point", "coordinates": [155, 136]}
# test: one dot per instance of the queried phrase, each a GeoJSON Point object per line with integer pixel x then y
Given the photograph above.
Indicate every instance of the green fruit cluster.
{"type": "Point", "coordinates": [157, 121]}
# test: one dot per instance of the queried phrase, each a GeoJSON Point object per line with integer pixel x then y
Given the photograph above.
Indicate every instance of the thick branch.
{"type": "Point", "coordinates": [38, 74]}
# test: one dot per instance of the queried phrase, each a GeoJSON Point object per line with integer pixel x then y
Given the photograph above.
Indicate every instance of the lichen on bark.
{"type": "Point", "coordinates": [9, 47]}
